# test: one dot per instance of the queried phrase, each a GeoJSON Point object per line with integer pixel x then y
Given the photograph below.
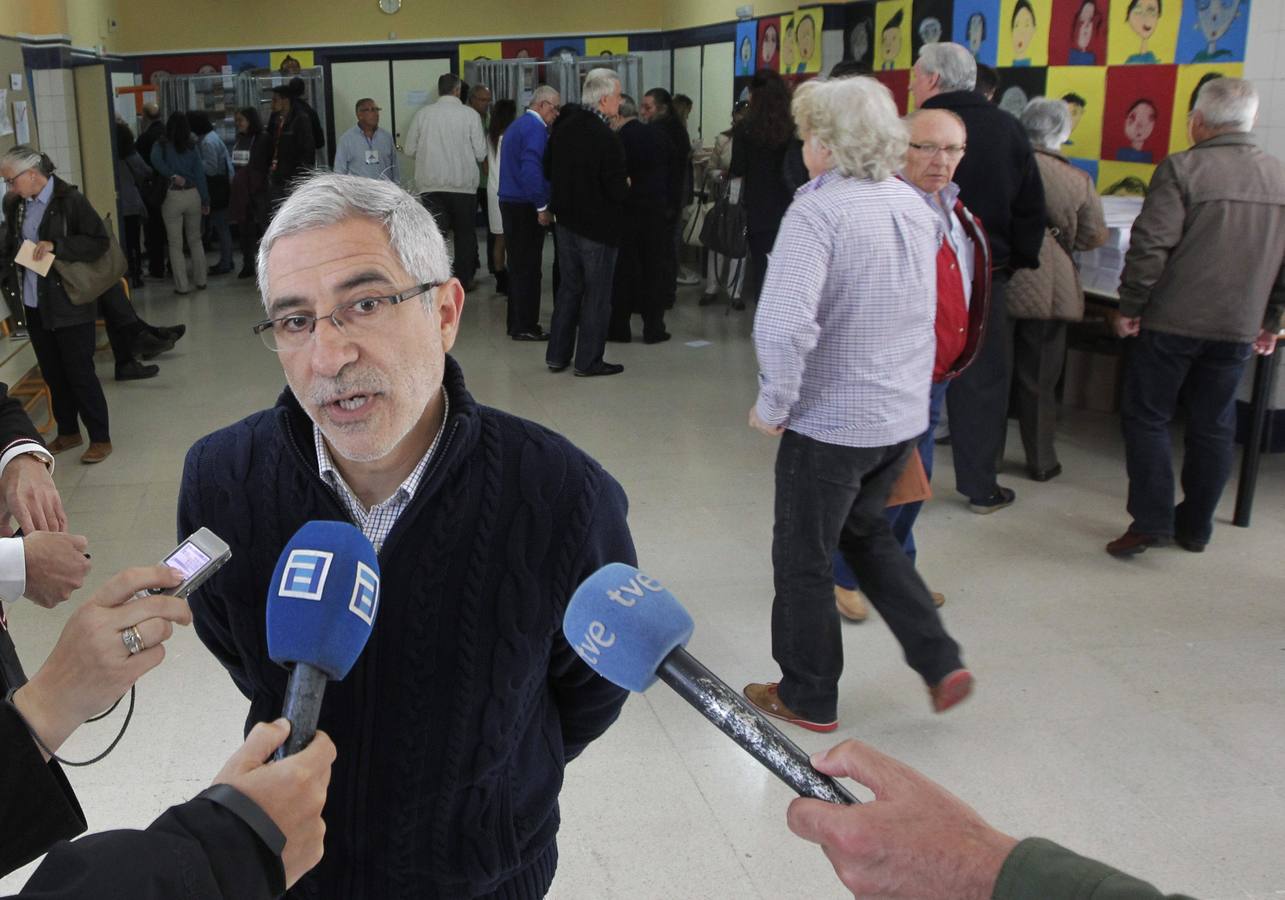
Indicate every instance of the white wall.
{"type": "Point", "coordinates": [1265, 66]}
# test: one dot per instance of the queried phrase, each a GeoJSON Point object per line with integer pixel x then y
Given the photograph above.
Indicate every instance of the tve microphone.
{"type": "Point", "coordinates": [631, 630]}
{"type": "Point", "coordinates": [321, 608]}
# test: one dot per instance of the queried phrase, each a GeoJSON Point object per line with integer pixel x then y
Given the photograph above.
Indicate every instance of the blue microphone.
{"type": "Point", "coordinates": [631, 631]}
{"type": "Point", "coordinates": [321, 609]}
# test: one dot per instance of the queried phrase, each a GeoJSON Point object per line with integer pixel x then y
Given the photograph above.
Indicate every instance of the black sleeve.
{"type": "Point", "coordinates": [614, 173]}
{"type": "Point", "coordinates": [740, 154]}
{"type": "Point", "coordinates": [1026, 230]}
{"type": "Point", "coordinates": [200, 850]}
{"type": "Point", "coordinates": [37, 805]}
{"type": "Point", "coordinates": [15, 424]}
{"type": "Point", "coordinates": [86, 238]}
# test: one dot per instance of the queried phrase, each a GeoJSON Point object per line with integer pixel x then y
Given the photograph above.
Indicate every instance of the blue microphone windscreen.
{"type": "Point", "coordinates": [323, 598]}
{"type": "Point", "coordinates": [624, 624]}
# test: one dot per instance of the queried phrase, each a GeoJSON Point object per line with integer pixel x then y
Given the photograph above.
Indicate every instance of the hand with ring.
{"type": "Point", "coordinates": [106, 646]}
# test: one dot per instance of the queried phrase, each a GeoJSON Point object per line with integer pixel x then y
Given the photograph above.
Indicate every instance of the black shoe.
{"type": "Point", "coordinates": [135, 370]}
{"type": "Point", "coordinates": [1131, 543]}
{"type": "Point", "coordinates": [1046, 474]}
{"type": "Point", "coordinates": [657, 338]}
{"type": "Point", "coordinates": [553, 368]}
{"type": "Point", "coordinates": [708, 299]}
{"type": "Point", "coordinates": [502, 282]}
{"type": "Point", "coordinates": [169, 332]}
{"type": "Point", "coordinates": [1001, 498]}
{"type": "Point", "coordinates": [624, 338]}
{"type": "Point", "coordinates": [530, 336]}
{"type": "Point", "coordinates": [738, 304]}
{"type": "Point", "coordinates": [245, 273]}
{"type": "Point", "coordinates": [601, 369]}
{"type": "Point", "coordinates": [1189, 544]}
{"type": "Point", "coordinates": [150, 346]}
{"type": "Point", "coordinates": [219, 270]}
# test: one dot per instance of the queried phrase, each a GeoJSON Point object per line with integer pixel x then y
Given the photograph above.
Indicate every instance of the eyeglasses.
{"type": "Point", "coordinates": [952, 151]}
{"type": "Point", "coordinates": [366, 109]}
{"type": "Point", "coordinates": [14, 179]}
{"type": "Point", "coordinates": [355, 319]}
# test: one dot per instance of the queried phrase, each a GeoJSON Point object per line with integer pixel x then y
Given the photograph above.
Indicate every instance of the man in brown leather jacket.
{"type": "Point", "coordinates": [1196, 306]}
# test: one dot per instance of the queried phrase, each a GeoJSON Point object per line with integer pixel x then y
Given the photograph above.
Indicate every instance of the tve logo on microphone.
{"type": "Point", "coordinates": [304, 577]}
{"type": "Point", "coordinates": [365, 593]}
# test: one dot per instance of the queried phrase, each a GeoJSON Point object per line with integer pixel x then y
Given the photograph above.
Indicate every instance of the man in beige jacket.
{"type": "Point", "coordinates": [1203, 289]}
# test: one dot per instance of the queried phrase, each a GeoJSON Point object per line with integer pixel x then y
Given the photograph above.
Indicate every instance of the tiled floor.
{"type": "Point", "coordinates": [1132, 710]}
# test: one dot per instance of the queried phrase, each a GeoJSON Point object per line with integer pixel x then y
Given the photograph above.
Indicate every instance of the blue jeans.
{"type": "Point", "coordinates": [902, 518]}
{"type": "Point", "coordinates": [830, 496]}
{"type": "Point", "coordinates": [1162, 371]}
{"type": "Point", "coordinates": [582, 305]}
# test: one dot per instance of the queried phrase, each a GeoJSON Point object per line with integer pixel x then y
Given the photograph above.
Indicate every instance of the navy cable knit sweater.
{"type": "Point", "coordinates": [455, 725]}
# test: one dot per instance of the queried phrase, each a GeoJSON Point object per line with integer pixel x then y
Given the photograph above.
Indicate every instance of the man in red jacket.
{"type": "Point", "coordinates": [937, 141]}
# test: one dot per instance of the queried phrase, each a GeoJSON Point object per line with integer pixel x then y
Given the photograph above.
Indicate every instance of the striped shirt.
{"type": "Point", "coordinates": [377, 522]}
{"type": "Point", "coordinates": [844, 328]}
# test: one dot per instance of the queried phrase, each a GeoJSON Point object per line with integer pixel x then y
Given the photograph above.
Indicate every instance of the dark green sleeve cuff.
{"type": "Point", "coordinates": [1039, 869]}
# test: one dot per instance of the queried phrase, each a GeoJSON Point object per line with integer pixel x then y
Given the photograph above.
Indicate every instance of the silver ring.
{"type": "Point", "coordinates": [133, 640]}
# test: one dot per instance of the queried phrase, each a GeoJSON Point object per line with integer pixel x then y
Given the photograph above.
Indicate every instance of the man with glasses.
{"type": "Point", "coordinates": [1000, 182]}
{"type": "Point", "coordinates": [524, 209]}
{"type": "Point", "coordinates": [366, 149]}
{"type": "Point", "coordinates": [455, 725]}
{"type": "Point", "coordinates": [938, 141]}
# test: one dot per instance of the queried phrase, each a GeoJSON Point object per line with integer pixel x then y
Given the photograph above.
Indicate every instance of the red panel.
{"type": "Point", "coordinates": [187, 64]}
{"type": "Point", "coordinates": [897, 81]}
{"type": "Point", "coordinates": [513, 49]}
{"type": "Point", "coordinates": [1071, 23]}
{"type": "Point", "coordinates": [1138, 98]}
{"type": "Point", "coordinates": [769, 50]}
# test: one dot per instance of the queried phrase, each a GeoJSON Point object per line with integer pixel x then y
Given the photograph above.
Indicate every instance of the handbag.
{"type": "Point", "coordinates": [85, 282]}
{"type": "Point", "coordinates": [911, 485]}
{"type": "Point", "coordinates": [724, 228]}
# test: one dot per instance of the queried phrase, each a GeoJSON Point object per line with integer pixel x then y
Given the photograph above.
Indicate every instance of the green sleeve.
{"type": "Point", "coordinates": [1038, 869]}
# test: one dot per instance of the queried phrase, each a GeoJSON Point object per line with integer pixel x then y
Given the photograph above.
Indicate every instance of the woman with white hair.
{"type": "Point", "coordinates": [1041, 301]}
{"type": "Point", "coordinates": [844, 334]}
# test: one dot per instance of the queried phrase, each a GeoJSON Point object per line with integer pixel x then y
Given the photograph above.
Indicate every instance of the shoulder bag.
{"type": "Point", "coordinates": [85, 282]}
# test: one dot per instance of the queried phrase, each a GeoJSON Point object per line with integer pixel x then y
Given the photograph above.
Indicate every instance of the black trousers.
{"type": "Point", "coordinates": [524, 244]}
{"type": "Point", "coordinates": [250, 232]}
{"type": "Point", "coordinates": [154, 234]}
{"type": "Point", "coordinates": [828, 497]}
{"type": "Point", "coordinates": [457, 212]}
{"type": "Point", "coordinates": [760, 245]}
{"type": "Point", "coordinates": [122, 321]}
{"type": "Point", "coordinates": [132, 233]}
{"type": "Point", "coordinates": [978, 403]}
{"type": "Point", "coordinates": [486, 223]}
{"type": "Point", "coordinates": [1039, 353]}
{"type": "Point", "coordinates": [666, 259]}
{"type": "Point", "coordinates": [583, 302]}
{"type": "Point", "coordinates": [637, 287]}
{"type": "Point", "coordinates": [66, 359]}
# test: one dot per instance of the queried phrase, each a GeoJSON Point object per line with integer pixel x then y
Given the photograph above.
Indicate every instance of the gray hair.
{"type": "Point", "coordinates": [1047, 122]}
{"type": "Point", "coordinates": [1228, 103]}
{"type": "Point", "coordinates": [21, 157]}
{"type": "Point", "coordinates": [598, 83]}
{"type": "Point", "coordinates": [542, 93]}
{"type": "Point", "coordinates": [628, 107]}
{"type": "Point", "coordinates": [954, 66]}
{"type": "Point", "coordinates": [857, 120]}
{"type": "Point", "coordinates": [327, 198]}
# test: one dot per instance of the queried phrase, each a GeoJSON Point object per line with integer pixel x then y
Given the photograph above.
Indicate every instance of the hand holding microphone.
{"type": "Point", "coordinates": [631, 630]}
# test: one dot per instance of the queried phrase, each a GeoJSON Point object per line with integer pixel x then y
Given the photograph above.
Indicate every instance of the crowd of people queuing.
{"type": "Point", "coordinates": [902, 269]}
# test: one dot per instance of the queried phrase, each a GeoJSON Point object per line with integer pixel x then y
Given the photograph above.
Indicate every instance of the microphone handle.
{"type": "Point", "coordinates": [302, 707]}
{"type": "Point", "coordinates": [738, 719]}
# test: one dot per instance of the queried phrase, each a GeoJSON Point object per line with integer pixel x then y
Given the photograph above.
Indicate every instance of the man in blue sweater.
{"type": "Point", "coordinates": [454, 728]}
{"type": "Point", "coordinates": [524, 210]}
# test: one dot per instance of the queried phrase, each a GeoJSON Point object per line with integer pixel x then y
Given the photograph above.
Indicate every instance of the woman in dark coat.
{"type": "Point", "coordinates": [131, 174]}
{"type": "Point", "coordinates": [248, 208]}
{"type": "Point", "coordinates": [759, 144]}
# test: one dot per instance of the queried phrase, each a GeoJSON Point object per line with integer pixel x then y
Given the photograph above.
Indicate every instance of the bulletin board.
{"type": "Point", "coordinates": [1128, 69]}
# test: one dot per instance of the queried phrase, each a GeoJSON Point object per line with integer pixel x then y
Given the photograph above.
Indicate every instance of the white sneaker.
{"type": "Point", "coordinates": [688, 277]}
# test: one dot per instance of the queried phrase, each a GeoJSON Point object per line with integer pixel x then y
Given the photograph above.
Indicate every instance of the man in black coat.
{"type": "Point", "coordinates": [658, 110]}
{"type": "Point", "coordinates": [153, 225]}
{"type": "Point", "coordinates": [585, 165]}
{"type": "Point", "coordinates": [999, 181]}
{"type": "Point", "coordinates": [294, 140]}
{"type": "Point", "coordinates": [638, 287]}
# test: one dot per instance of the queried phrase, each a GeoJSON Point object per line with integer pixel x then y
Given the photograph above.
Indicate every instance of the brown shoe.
{"type": "Point", "coordinates": [852, 604]}
{"type": "Point", "coordinates": [97, 452]}
{"type": "Point", "coordinates": [65, 442]}
{"type": "Point", "coordinates": [765, 698]}
{"type": "Point", "coordinates": [951, 690]}
{"type": "Point", "coordinates": [938, 598]}
{"type": "Point", "coordinates": [1131, 543]}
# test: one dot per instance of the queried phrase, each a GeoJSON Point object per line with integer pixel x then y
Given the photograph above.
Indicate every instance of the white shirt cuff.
{"type": "Point", "coordinates": [13, 569]}
{"type": "Point", "coordinates": [18, 448]}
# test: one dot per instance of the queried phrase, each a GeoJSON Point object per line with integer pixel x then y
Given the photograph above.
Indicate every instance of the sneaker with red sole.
{"type": "Point", "coordinates": [766, 700]}
{"type": "Point", "coordinates": [951, 690]}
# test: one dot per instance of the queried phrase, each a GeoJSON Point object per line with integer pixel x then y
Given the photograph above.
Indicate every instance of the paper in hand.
{"type": "Point", "coordinates": [27, 257]}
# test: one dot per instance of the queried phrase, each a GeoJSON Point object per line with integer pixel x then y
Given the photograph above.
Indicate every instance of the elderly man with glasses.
{"type": "Point", "coordinates": [455, 726]}
{"type": "Point", "coordinates": [366, 149]}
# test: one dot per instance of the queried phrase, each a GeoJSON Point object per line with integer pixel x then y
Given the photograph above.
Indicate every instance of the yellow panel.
{"type": "Point", "coordinates": [1145, 35]}
{"type": "Point", "coordinates": [1024, 34]}
{"type": "Point", "coordinates": [807, 39]}
{"type": "Point", "coordinates": [606, 46]}
{"type": "Point", "coordinates": [470, 52]}
{"type": "Point", "coordinates": [1088, 83]}
{"type": "Point", "coordinates": [894, 40]}
{"type": "Point", "coordinates": [1188, 78]}
{"type": "Point", "coordinates": [1112, 174]}
{"type": "Point", "coordinates": [304, 57]}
